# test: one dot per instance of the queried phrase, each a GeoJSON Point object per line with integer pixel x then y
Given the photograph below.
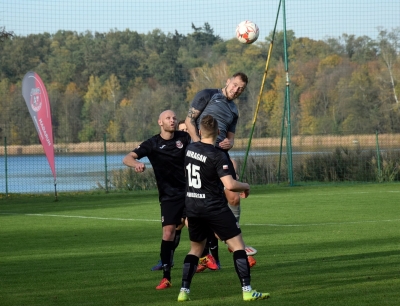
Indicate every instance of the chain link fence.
{"type": "Point", "coordinates": [112, 66]}
{"type": "Point", "coordinates": [98, 165]}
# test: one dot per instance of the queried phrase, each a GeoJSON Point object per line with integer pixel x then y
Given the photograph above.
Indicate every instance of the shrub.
{"type": "Point", "coordinates": [341, 165]}
{"type": "Point", "coordinates": [345, 165]}
{"type": "Point", "coordinates": [128, 179]}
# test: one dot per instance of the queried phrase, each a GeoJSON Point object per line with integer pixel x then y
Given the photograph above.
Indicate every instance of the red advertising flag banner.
{"type": "Point", "coordinates": [37, 101]}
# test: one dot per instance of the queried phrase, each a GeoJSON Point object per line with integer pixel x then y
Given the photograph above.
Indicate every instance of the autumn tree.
{"type": "Point", "coordinates": [207, 76]}
{"type": "Point", "coordinates": [5, 34]}
{"type": "Point", "coordinates": [360, 106]}
{"type": "Point", "coordinates": [91, 111]}
{"type": "Point", "coordinates": [273, 101]}
{"type": "Point", "coordinates": [112, 90]}
{"type": "Point", "coordinates": [389, 44]}
{"type": "Point", "coordinates": [61, 68]}
{"type": "Point", "coordinates": [69, 120]}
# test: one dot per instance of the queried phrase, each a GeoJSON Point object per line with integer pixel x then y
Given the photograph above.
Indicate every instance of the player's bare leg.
{"type": "Point", "coordinates": [233, 199]}
{"type": "Point", "coordinates": [167, 249]}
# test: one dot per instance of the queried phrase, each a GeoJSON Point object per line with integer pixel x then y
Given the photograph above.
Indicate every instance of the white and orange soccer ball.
{"type": "Point", "coordinates": [247, 32]}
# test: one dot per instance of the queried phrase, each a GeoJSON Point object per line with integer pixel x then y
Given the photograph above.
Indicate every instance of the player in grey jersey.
{"type": "Point", "coordinates": [220, 104]}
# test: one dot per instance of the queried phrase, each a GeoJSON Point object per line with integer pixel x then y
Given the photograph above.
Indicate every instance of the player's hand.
{"type": "Point", "coordinates": [140, 167]}
{"type": "Point", "coordinates": [244, 194]}
{"type": "Point", "coordinates": [225, 144]}
{"type": "Point", "coordinates": [180, 226]}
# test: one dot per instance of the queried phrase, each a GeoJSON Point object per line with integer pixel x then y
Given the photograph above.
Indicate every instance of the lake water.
{"type": "Point", "coordinates": [31, 173]}
{"type": "Point", "coordinates": [79, 172]}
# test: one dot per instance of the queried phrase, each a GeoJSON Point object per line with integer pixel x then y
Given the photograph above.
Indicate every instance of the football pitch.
{"type": "Point", "coordinates": [317, 245]}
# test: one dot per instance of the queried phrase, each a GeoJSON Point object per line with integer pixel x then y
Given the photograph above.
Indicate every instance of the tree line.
{"type": "Point", "coordinates": [118, 82]}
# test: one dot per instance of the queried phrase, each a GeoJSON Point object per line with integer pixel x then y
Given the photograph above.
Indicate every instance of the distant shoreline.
{"type": "Point", "coordinates": [330, 141]}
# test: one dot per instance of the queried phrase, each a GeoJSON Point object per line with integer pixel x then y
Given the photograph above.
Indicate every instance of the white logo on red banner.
{"type": "Point", "coordinates": [36, 101]}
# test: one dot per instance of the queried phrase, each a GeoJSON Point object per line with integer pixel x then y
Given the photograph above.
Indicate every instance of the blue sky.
{"type": "Point", "coordinates": [310, 18]}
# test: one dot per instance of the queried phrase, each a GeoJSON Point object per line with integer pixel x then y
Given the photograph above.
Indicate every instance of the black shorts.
{"type": "Point", "coordinates": [172, 212]}
{"type": "Point", "coordinates": [224, 224]}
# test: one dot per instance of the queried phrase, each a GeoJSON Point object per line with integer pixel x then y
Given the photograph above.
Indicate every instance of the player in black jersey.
{"type": "Point", "coordinates": [166, 153]}
{"type": "Point", "coordinates": [210, 257]}
{"type": "Point", "coordinates": [206, 208]}
{"type": "Point", "coordinates": [219, 103]}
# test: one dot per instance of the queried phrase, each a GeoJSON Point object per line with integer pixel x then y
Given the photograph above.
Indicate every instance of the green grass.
{"type": "Point", "coordinates": [318, 245]}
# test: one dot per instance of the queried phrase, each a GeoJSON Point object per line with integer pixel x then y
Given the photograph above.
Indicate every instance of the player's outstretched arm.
{"type": "Point", "coordinates": [233, 185]}
{"type": "Point", "coordinates": [130, 160]}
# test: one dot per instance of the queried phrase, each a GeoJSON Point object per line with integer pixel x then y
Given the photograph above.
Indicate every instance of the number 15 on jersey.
{"type": "Point", "coordinates": [193, 175]}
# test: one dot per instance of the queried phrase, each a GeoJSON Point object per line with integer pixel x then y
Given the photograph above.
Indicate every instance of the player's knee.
{"type": "Point", "coordinates": [169, 232]}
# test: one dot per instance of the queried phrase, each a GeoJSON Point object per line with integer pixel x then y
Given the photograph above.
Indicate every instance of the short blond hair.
{"type": "Point", "coordinates": [209, 126]}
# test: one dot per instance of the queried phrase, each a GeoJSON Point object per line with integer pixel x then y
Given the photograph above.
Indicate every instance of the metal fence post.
{"type": "Point", "coordinates": [5, 164]}
{"type": "Point", "coordinates": [378, 156]}
{"type": "Point", "coordinates": [105, 161]}
{"type": "Point", "coordinates": [287, 101]}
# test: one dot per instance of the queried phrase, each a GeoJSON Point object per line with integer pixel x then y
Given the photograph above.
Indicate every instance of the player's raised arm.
{"type": "Point", "coordinates": [190, 122]}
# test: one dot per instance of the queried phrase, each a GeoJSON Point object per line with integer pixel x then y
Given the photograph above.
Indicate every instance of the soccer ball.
{"type": "Point", "coordinates": [247, 32]}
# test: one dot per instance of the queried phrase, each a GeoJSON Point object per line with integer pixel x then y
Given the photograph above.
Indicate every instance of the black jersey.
{"type": "Point", "coordinates": [204, 165]}
{"type": "Point", "coordinates": [213, 102]}
{"type": "Point", "coordinates": [167, 159]}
